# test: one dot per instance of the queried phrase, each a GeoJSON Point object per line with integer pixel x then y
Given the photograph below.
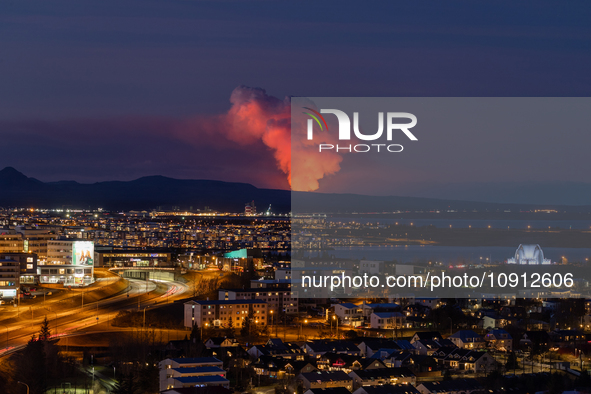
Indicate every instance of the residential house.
{"type": "Point", "coordinates": [214, 342]}
{"type": "Point", "coordinates": [370, 345]}
{"type": "Point", "coordinates": [347, 363]}
{"type": "Point", "coordinates": [368, 309]}
{"type": "Point", "coordinates": [387, 320]}
{"type": "Point", "coordinates": [429, 346]}
{"type": "Point", "coordinates": [454, 386]}
{"type": "Point", "coordinates": [465, 359]}
{"type": "Point", "coordinates": [277, 348]}
{"type": "Point", "coordinates": [349, 314]}
{"type": "Point", "coordinates": [467, 339]}
{"type": "Point", "coordinates": [281, 368]}
{"type": "Point", "coordinates": [433, 335]}
{"type": "Point", "coordinates": [325, 379]}
{"type": "Point", "coordinates": [499, 340]}
{"type": "Point", "coordinates": [332, 390]}
{"type": "Point", "coordinates": [319, 347]}
{"type": "Point", "coordinates": [380, 376]}
{"type": "Point", "coordinates": [387, 389]}
{"type": "Point", "coordinates": [540, 339]}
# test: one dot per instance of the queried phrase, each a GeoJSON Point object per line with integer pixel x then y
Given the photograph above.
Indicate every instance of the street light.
{"type": "Point", "coordinates": [19, 382]}
{"type": "Point", "coordinates": [301, 324]}
{"type": "Point", "coordinates": [337, 320]}
{"type": "Point", "coordinates": [272, 322]}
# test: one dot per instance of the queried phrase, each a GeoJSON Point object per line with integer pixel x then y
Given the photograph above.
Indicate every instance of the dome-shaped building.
{"type": "Point", "coordinates": [529, 255]}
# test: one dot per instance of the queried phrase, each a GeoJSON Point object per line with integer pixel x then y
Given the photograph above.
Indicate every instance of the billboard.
{"type": "Point", "coordinates": [236, 254]}
{"type": "Point", "coordinates": [83, 253]}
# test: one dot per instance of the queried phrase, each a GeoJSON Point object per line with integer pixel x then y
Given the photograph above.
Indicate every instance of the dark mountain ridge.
{"type": "Point", "coordinates": [150, 192]}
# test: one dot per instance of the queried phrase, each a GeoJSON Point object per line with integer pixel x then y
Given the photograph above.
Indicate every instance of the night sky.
{"type": "Point", "coordinates": [101, 90]}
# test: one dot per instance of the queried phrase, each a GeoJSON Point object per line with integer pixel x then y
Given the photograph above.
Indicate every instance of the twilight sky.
{"type": "Point", "coordinates": [102, 90]}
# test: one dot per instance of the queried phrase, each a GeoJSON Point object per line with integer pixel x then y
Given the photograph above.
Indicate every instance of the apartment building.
{"type": "Point", "coordinates": [9, 278]}
{"type": "Point", "coordinates": [279, 300]}
{"type": "Point", "coordinates": [219, 313]}
{"type": "Point", "coordinates": [192, 372]}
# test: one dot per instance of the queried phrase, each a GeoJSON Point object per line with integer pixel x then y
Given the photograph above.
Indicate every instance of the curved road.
{"type": "Point", "coordinates": [64, 321]}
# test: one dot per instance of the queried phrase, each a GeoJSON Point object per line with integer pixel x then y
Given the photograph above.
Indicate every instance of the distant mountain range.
{"type": "Point", "coordinates": [146, 193]}
{"type": "Point", "coordinates": [152, 192]}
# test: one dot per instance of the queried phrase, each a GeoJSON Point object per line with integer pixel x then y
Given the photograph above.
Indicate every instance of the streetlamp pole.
{"type": "Point", "coordinates": [145, 316]}
{"type": "Point", "coordinates": [272, 321]}
{"type": "Point", "coordinates": [56, 324]}
{"type": "Point", "coordinates": [6, 334]}
{"type": "Point", "coordinates": [19, 382]}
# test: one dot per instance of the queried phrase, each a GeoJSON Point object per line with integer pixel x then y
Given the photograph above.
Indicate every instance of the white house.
{"type": "Point", "coordinates": [349, 314]}
{"type": "Point", "coordinates": [387, 320]}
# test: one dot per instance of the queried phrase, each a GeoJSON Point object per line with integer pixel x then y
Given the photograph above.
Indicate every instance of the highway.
{"type": "Point", "coordinates": [66, 318]}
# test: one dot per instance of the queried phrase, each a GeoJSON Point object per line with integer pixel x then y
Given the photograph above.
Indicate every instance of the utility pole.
{"type": "Point", "coordinates": [145, 316]}
{"type": "Point", "coordinates": [6, 334]}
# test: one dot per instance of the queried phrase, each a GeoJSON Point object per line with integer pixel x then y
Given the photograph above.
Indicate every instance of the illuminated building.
{"type": "Point", "coordinates": [192, 372]}
{"type": "Point", "coordinates": [69, 261]}
{"type": "Point", "coordinates": [28, 266]}
{"type": "Point", "coordinates": [250, 209]}
{"type": "Point", "coordinates": [10, 241]}
{"type": "Point", "coordinates": [278, 300]}
{"type": "Point", "coordinates": [529, 255]}
{"type": "Point", "coordinates": [9, 278]}
{"type": "Point", "coordinates": [219, 313]}
{"type": "Point", "coordinates": [132, 258]}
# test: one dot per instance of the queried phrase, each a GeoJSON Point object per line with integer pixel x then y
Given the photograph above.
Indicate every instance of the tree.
{"type": "Point", "coordinates": [195, 336]}
{"type": "Point", "coordinates": [148, 379]}
{"type": "Point", "coordinates": [511, 361]}
{"type": "Point", "coordinates": [31, 365]}
{"type": "Point", "coordinates": [351, 335]}
{"type": "Point", "coordinates": [247, 325]}
{"type": "Point", "coordinates": [584, 380]}
{"type": "Point", "coordinates": [229, 331]}
{"type": "Point", "coordinates": [447, 375]}
{"type": "Point", "coordinates": [126, 385]}
{"type": "Point", "coordinates": [44, 332]}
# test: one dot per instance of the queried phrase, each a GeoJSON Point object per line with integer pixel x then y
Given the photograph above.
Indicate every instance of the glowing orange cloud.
{"type": "Point", "coordinates": [254, 116]}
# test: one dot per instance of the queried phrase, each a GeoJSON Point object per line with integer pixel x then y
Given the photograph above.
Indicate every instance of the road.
{"type": "Point", "coordinates": [66, 318]}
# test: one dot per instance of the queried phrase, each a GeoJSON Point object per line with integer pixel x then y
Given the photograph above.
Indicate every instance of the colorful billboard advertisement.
{"type": "Point", "coordinates": [83, 253]}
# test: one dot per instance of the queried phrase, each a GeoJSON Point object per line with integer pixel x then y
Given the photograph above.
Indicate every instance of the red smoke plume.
{"type": "Point", "coordinates": [256, 116]}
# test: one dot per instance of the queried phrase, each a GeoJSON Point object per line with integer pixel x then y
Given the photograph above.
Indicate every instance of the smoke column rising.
{"type": "Point", "coordinates": [255, 115]}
